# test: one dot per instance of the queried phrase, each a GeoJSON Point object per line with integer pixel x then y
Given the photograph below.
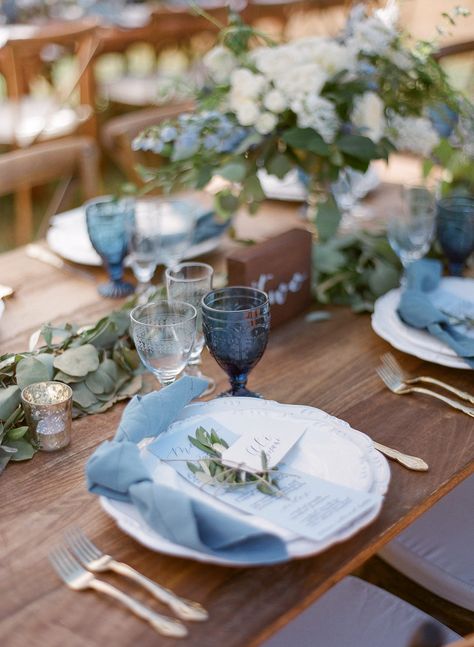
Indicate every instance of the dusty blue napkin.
{"type": "Point", "coordinates": [117, 471]}
{"type": "Point", "coordinates": [417, 309]}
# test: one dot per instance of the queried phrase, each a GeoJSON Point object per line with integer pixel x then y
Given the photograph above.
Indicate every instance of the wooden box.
{"type": "Point", "coordinates": [280, 266]}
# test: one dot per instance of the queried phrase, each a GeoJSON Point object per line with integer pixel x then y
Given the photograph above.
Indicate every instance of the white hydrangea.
{"type": "Point", "coordinates": [318, 113]}
{"type": "Point", "coordinates": [245, 83]}
{"type": "Point", "coordinates": [330, 55]}
{"type": "Point", "coordinates": [302, 80]}
{"type": "Point", "coordinates": [220, 62]}
{"type": "Point", "coordinates": [371, 36]}
{"type": "Point", "coordinates": [247, 112]}
{"type": "Point", "coordinates": [368, 115]}
{"type": "Point", "coordinates": [266, 122]}
{"type": "Point", "coordinates": [413, 134]}
{"type": "Point", "coordinates": [275, 101]}
{"type": "Point", "coordinates": [400, 58]}
{"type": "Point", "coordinates": [273, 61]}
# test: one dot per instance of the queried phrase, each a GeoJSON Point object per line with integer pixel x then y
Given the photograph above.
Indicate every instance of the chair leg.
{"type": "Point", "coordinates": [23, 216]}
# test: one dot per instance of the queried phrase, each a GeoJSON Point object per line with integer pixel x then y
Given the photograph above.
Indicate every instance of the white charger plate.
{"type": "Point", "coordinates": [68, 237]}
{"type": "Point", "coordinates": [330, 449]}
{"type": "Point", "coordinates": [388, 325]}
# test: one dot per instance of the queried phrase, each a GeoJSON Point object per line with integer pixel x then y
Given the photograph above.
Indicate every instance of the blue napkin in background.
{"type": "Point", "coordinates": [208, 226]}
{"type": "Point", "coordinates": [418, 310]}
{"type": "Point", "coordinates": [117, 471]}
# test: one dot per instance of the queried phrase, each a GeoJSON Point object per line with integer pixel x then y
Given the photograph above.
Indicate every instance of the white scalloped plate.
{"type": "Point", "coordinates": [68, 238]}
{"type": "Point", "coordinates": [388, 325]}
{"type": "Point", "coordinates": [330, 449]}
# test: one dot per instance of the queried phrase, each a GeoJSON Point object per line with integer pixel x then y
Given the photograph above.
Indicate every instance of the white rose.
{"type": "Point", "coordinates": [220, 62]}
{"type": "Point", "coordinates": [247, 112]}
{"type": "Point", "coordinates": [266, 123]}
{"type": "Point", "coordinates": [275, 101]}
{"type": "Point", "coordinates": [368, 115]}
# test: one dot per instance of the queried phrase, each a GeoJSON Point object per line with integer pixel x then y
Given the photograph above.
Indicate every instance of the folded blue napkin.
{"type": "Point", "coordinates": [208, 226]}
{"type": "Point", "coordinates": [117, 471]}
{"type": "Point", "coordinates": [418, 309]}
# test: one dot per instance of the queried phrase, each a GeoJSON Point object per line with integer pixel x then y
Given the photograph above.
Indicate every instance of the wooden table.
{"type": "Point", "coordinates": [329, 365]}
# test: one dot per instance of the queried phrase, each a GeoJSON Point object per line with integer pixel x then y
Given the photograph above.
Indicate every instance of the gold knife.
{"type": "Point", "coordinates": [44, 255]}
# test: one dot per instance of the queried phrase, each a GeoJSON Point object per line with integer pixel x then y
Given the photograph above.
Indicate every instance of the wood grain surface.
{"type": "Point", "coordinates": [330, 365]}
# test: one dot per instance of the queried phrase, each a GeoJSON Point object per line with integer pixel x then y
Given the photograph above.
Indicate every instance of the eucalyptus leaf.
{"type": "Point", "coordinates": [78, 361]}
{"type": "Point", "coordinates": [24, 450]}
{"type": "Point", "coordinates": [9, 400]}
{"type": "Point", "coordinates": [233, 171]}
{"type": "Point", "coordinates": [60, 376]}
{"type": "Point", "coordinates": [17, 433]}
{"type": "Point", "coordinates": [31, 370]}
{"type": "Point", "coordinates": [82, 395]}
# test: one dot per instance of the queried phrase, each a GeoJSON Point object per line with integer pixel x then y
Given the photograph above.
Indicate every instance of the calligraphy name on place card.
{"type": "Point", "coordinates": [280, 266]}
{"type": "Point", "coordinates": [247, 450]}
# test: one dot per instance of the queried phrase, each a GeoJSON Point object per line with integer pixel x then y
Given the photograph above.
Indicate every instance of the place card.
{"type": "Point", "coordinates": [275, 442]}
{"type": "Point", "coordinates": [309, 506]}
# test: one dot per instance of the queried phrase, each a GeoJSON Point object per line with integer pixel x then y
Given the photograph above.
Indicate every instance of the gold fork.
{"type": "Point", "coordinates": [391, 363]}
{"type": "Point", "coordinates": [78, 579]}
{"type": "Point", "coordinates": [393, 381]}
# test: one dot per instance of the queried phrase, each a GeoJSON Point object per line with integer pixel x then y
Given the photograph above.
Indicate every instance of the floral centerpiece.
{"type": "Point", "coordinates": [318, 105]}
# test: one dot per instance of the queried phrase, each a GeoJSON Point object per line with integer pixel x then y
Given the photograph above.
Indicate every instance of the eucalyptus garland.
{"type": "Point", "coordinates": [99, 362]}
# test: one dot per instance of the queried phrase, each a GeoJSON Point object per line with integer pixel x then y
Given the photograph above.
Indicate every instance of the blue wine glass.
{"type": "Point", "coordinates": [236, 325]}
{"type": "Point", "coordinates": [108, 225]}
{"type": "Point", "coordinates": [455, 230]}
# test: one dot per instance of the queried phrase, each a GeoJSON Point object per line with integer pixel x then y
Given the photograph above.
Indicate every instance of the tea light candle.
{"type": "Point", "coordinates": [48, 411]}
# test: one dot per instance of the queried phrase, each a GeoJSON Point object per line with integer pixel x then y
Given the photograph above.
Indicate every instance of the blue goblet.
{"type": "Point", "coordinates": [455, 230]}
{"type": "Point", "coordinates": [236, 324]}
{"type": "Point", "coordinates": [108, 224]}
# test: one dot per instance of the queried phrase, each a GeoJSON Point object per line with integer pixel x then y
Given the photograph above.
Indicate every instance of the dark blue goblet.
{"type": "Point", "coordinates": [236, 324]}
{"type": "Point", "coordinates": [455, 230]}
{"type": "Point", "coordinates": [108, 224]}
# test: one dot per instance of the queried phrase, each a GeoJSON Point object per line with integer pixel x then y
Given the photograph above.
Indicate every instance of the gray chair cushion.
{"type": "Point", "coordinates": [356, 614]}
{"type": "Point", "coordinates": [437, 550]}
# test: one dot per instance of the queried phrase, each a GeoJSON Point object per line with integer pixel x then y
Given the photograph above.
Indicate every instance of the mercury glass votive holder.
{"type": "Point", "coordinates": [48, 411]}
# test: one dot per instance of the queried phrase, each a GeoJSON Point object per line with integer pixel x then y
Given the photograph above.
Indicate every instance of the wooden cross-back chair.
{"type": "Point", "coordinates": [25, 119]}
{"type": "Point", "coordinates": [46, 162]}
{"type": "Point", "coordinates": [23, 56]}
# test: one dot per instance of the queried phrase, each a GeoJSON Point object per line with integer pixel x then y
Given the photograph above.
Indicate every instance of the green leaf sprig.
{"type": "Point", "coordinates": [213, 471]}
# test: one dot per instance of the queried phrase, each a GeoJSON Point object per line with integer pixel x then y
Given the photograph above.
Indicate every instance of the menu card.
{"type": "Point", "coordinates": [305, 504]}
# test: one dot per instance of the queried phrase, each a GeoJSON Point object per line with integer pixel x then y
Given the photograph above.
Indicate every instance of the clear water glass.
{"type": "Point", "coordinates": [108, 224]}
{"type": "Point", "coordinates": [411, 224]}
{"type": "Point", "coordinates": [144, 242]}
{"type": "Point", "coordinates": [177, 220]}
{"type": "Point", "coordinates": [164, 332]}
{"type": "Point", "coordinates": [455, 230]}
{"type": "Point", "coordinates": [236, 325]}
{"type": "Point", "coordinates": [190, 282]}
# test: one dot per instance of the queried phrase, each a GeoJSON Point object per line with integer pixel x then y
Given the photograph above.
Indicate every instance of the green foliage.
{"type": "Point", "coordinates": [99, 362]}
{"type": "Point", "coordinates": [354, 270]}
{"type": "Point", "coordinates": [213, 471]}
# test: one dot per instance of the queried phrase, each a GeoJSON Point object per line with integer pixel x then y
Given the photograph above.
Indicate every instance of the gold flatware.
{"type": "Point", "coordinates": [410, 462]}
{"type": "Point", "coordinates": [97, 561]}
{"type": "Point", "coordinates": [396, 385]}
{"type": "Point", "coordinates": [6, 291]}
{"type": "Point", "coordinates": [391, 363]}
{"type": "Point", "coordinates": [44, 255]}
{"type": "Point", "coordinates": [78, 579]}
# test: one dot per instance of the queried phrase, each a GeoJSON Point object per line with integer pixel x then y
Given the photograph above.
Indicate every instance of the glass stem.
{"type": "Point", "coordinates": [238, 383]}
{"type": "Point", "coordinates": [455, 268]}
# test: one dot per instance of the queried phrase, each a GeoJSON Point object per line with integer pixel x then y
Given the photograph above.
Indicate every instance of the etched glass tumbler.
{"type": "Point", "coordinates": [455, 230]}
{"type": "Point", "coordinates": [236, 325]}
{"type": "Point", "coordinates": [189, 282]}
{"type": "Point", "coordinates": [164, 332]}
{"type": "Point", "coordinates": [108, 224]}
